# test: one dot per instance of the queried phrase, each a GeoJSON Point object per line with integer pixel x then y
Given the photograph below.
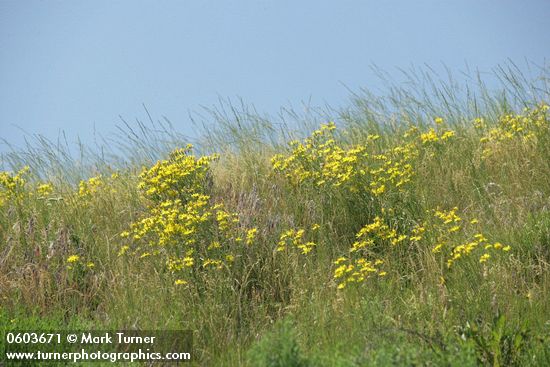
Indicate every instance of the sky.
{"type": "Point", "coordinates": [76, 66]}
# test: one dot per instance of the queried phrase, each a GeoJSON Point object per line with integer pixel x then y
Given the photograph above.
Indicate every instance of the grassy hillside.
{"type": "Point", "coordinates": [413, 230]}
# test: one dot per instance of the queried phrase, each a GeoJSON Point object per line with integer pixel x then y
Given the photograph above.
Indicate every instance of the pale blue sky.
{"type": "Point", "coordinates": [67, 65]}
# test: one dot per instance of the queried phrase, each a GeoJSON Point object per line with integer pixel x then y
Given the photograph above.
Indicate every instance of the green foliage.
{"type": "Point", "coordinates": [279, 348]}
{"type": "Point", "coordinates": [496, 343]}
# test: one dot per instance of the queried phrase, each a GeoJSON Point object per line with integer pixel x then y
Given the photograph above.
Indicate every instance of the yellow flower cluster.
{"type": "Point", "coordinates": [446, 229]}
{"type": "Point", "coordinates": [189, 236]}
{"type": "Point", "coordinates": [295, 238]}
{"type": "Point", "coordinates": [45, 189]}
{"type": "Point", "coordinates": [321, 161]}
{"type": "Point", "coordinates": [73, 258]}
{"type": "Point", "coordinates": [75, 261]}
{"type": "Point", "coordinates": [251, 235]}
{"type": "Point", "coordinates": [356, 270]}
{"type": "Point", "coordinates": [182, 225]}
{"type": "Point", "coordinates": [431, 136]}
{"type": "Point", "coordinates": [449, 216]}
{"type": "Point", "coordinates": [87, 188]}
{"type": "Point", "coordinates": [392, 169]}
{"type": "Point", "coordinates": [181, 175]}
{"type": "Point", "coordinates": [526, 126]}
{"type": "Point", "coordinates": [12, 186]}
{"type": "Point", "coordinates": [448, 224]}
{"type": "Point", "coordinates": [377, 230]}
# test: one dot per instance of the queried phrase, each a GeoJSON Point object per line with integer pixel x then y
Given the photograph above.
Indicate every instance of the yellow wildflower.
{"type": "Point", "coordinates": [73, 258]}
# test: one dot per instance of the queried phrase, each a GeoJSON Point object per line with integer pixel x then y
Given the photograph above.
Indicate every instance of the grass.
{"type": "Point", "coordinates": [267, 307]}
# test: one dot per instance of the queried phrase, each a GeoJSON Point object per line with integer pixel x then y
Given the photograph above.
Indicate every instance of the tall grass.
{"type": "Point", "coordinates": [284, 309]}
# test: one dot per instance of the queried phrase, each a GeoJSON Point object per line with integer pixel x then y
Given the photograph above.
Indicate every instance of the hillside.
{"type": "Point", "coordinates": [388, 237]}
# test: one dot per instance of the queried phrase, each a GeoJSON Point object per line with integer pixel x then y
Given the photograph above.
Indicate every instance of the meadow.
{"type": "Point", "coordinates": [409, 228]}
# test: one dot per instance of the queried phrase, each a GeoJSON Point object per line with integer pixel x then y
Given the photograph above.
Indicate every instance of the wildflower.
{"type": "Point", "coordinates": [90, 187]}
{"type": "Point", "coordinates": [526, 126]}
{"type": "Point", "coordinates": [356, 270]}
{"type": "Point", "coordinates": [180, 176]}
{"type": "Point", "coordinates": [306, 247]}
{"type": "Point", "coordinates": [73, 258]}
{"type": "Point", "coordinates": [480, 237]}
{"type": "Point", "coordinates": [212, 263]}
{"type": "Point", "coordinates": [378, 190]}
{"type": "Point", "coordinates": [447, 135]}
{"type": "Point", "coordinates": [123, 250]}
{"type": "Point", "coordinates": [181, 219]}
{"type": "Point", "coordinates": [188, 261]}
{"type": "Point", "coordinates": [250, 235]}
{"type": "Point", "coordinates": [12, 185]}
{"type": "Point", "coordinates": [319, 160]}
{"type": "Point", "coordinates": [339, 260]}
{"type": "Point", "coordinates": [479, 123]}
{"type": "Point", "coordinates": [295, 239]}
{"type": "Point", "coordinates": [454, 229]}
{"type": "Point", "coordinates": [437, 248]}
{"type": "Point", "coordinates": [429, 137]}
{"type": "Point", "coordinates": [45, 189]}
{"type": "Point", "coordinates": [484, 258]}
{"type": "Point", "coordinates": [214, 245]}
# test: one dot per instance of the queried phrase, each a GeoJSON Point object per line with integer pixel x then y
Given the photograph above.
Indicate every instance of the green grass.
{"type": "Point", "coordinates": [278, 309]}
